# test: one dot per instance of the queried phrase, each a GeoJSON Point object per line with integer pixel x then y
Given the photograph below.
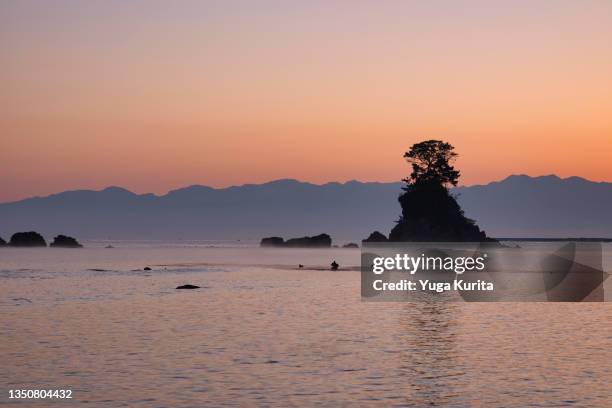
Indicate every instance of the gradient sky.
{"type": "Point", "coordinates": [153, 96]}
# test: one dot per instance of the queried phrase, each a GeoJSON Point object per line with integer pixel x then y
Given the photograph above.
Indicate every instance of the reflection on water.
{"type": "Point", "coordinates": [279, 336]}
{"type": "Point", "coordinates": [429, 360]}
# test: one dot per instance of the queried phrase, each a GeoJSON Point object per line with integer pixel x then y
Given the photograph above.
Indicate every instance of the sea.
{"type": "Point", "coordinates": [262, 331]}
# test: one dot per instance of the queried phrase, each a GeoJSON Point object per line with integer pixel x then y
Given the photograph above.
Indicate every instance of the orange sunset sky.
{"type": "Point", "coordinates": [153, 95]}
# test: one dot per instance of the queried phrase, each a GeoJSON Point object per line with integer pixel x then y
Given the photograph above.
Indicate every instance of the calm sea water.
{"type": "Point", "coordinates": [262, 332]}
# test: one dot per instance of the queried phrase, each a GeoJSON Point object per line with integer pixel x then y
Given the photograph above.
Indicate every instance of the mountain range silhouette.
{"type": "Point", "coordinates": [518, 206]}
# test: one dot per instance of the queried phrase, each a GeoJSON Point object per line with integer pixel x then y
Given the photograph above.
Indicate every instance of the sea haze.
{"type": "Point", "coordinates": [518, 206]}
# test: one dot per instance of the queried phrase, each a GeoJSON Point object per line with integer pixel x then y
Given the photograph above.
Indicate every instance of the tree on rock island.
{"type": "Point", "coordinates": [429, 211]}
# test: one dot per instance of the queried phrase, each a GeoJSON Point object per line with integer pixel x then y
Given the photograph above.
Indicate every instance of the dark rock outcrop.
{"type": "Point", "coordinates": [431, 213]}
{"type": "Point", "coordinates": [350, 245]}
{"type": "Point", "coordinates": [146, 268]}
{"type": "Point", "coordinates": [188, 287]}
{"type": "Point", "coordinates": [317, 241]}
{"type": "Point", "coordinates": [2, 242]}
{"type": "Point", "coordinates": [27, 239]}
{"type": "Point", "coordinates": [376, 236]}
{"type": "Point", "coordinates": [63, 241]}
{"type": "Point", "coordinates": [334, 266]}
{"type": "Point", "coordinates": [272, 242]}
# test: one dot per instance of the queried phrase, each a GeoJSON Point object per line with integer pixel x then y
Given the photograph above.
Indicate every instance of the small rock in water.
{"type": "Point", "coordinates": [188, 287]}
{"type": "Point", "coordinates": [27, 239]}
{"type": "Point", "coordinates": [64, 241]}
{"type": "Point", "coordinates": [146, 268]}
{"type": "Point", "coordinates": [300, 266]}
{"type": "Point", "coordinates": [334, 266]}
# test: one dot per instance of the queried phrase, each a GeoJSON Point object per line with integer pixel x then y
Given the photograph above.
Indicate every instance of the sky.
{"type": "Point", "coordinates": [153, 95]}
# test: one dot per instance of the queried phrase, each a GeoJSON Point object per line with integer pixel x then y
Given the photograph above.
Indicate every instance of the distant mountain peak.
{"type": "Point", "coordinates": [116, 189]}
{"type": "Point", "coordinates": [191, 188]}
{"type": "Point", "coordinates": [283, 181]}
{"type": "Point", "coordinates": [527, 178]}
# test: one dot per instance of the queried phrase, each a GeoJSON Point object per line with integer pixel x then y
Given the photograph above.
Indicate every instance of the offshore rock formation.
{"type": "Point", "coordinates": [27, 239]}
{"type": "Point", "coordinates": [63, 241]}
{"type": "Point", "coordinates": [431, 213]}
{"type": "Point", "coordinates": [376, 236]}
{"type": "Point", "coordinates": [272, 242]}
{"type": "Point", "coordinates": [317, 241]}
{"type": "Point", "coordinates": [2, 242]}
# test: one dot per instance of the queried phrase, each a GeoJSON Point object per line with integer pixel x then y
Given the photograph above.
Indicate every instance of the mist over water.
{"type": "Point", "coordinates": [261, 331]}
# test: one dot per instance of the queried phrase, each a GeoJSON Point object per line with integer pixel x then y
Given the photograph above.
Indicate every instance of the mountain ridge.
{"type": "Point", "coordinates": [516, 206]}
